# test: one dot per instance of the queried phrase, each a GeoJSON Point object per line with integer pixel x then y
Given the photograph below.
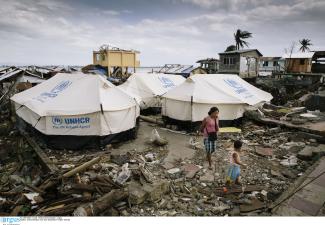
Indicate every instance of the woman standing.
{"type": "Point", "coordinates": [210, 128]}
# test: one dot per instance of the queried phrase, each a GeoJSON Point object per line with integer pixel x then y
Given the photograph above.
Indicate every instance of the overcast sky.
{"type": "Point", "coordinates": [52, 32]}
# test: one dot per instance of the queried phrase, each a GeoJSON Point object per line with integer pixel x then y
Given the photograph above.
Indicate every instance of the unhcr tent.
{"type": "Point", "coordinates": [150, 87]}
{"type": "Point", "coordinates": [192, 100]}
{"type": "Point", "coordinates": [77, 110]}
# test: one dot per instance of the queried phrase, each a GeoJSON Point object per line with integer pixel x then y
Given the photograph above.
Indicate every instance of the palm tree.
{"type": "Point", "coordinates": [239, 36]}
{"type": "Point", "coordinates": [230, 48]}
{"type": "Point", "coordinates": [304, 44]}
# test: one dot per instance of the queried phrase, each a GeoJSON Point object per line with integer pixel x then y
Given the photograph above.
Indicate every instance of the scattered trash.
{"type": "Point", "coordinates": [32, 197]}
{"type": "Point", "coordinates": [67, 166]}
{"type": "Point", "coordinates": [156, 139]}
{"type": "Point", "coordinates": [154, 181]}
{"type": "Point", "coordinates": [124, 175]}
{"type": "Point", "coordinates": [291, 161]}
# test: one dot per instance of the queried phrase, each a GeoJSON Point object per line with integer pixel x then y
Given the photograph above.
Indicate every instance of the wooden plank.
{"type": "Point", "coordinates": [101, 204]}
{"type": "Point", "coordinates": [238, 189]}
{"type": "Point", "coordinates": [81, 167]}
{"type": "Point", "coordinates": [46, 161]}
{"type": "Point", "coordinates": [256, 204]}
{"type": "Point", "coordinates": [151, 120]}
{"type": "Point", "coordinates": [313, 128]}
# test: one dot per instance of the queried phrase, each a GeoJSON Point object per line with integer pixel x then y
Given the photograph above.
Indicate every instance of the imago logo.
{"type": "Point", "coordinates": [57, 120]}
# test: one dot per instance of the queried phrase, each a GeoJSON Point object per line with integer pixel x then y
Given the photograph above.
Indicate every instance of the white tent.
{"type": "Point", "coordinates": [77, 105]}
{"type": "Point", "coordinates": [150, 87]}
{"type": "Point", "coordinates": [192, 100]}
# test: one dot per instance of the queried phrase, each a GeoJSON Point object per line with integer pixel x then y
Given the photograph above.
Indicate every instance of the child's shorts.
{"type": "Point", "coordinates": [233, 173]}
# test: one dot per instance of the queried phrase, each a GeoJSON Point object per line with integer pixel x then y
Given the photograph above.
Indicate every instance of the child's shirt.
{"type": "Point", "coordinates": [231, 158]}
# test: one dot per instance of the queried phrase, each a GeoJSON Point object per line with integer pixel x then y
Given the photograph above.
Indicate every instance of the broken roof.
{"type": "Point", "coordinates": [10, 74]}
{"type": "Point", "coordinates": [241, 51]}
{"type": "Point", "coordinates": [207, 60]}
{"type": "Point", "coordinates": [15, 72]}
{"type": "Point", "coordinates": [299, 55]}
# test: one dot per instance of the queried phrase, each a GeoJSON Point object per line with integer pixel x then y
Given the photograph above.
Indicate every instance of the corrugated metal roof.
{"type": "Point", "coordinates": [299, 55]}
{"type": "Point", "coordinates": [10, 74]}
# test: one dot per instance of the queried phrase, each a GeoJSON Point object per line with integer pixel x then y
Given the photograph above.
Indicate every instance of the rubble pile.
{"type": "Point", "coordinates": [92, 183]}
{"type": "Point", "coordinates": [280, 144]}
{"type": "Point", "coordinates": [294, 91]}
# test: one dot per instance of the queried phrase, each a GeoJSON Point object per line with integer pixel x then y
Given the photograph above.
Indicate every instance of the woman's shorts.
{"type": "Point", "coordinates": [210, 146]}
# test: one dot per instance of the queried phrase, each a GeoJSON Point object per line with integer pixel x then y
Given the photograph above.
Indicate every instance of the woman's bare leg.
{"type": "Point", "coordinates": [209, 160]}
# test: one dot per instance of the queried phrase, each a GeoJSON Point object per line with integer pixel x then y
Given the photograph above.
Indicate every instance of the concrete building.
{"type": "Point", "coordinates": [243, 62]}
{"type": "Point", "coordinates": [210, 65]}
{"type": "Point", "coordinates": [269, 65]}
{"type": "Point", "coordinates": [116, 59]}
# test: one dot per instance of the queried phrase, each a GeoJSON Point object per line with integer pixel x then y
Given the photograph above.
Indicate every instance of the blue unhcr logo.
{"type": "Point", "coordinates": [54, 91]}
{"type": "Point", "coordinates": [166, 82]}
{"type": "Point", "coordinates": [70, 123]}
{"type": "Point", "coordinates": [238, 88]}
{"type": "Point", "coordinates": [57, 120]}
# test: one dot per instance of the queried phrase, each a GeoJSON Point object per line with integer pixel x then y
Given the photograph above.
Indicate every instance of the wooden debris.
{"type": "Point", "coordinates": [81, 167]}
{"type": "Point", "coordinates": [46, 161]}
{"type": "Point", "coordinates": [151, 120]}
{"type": "Point", "coordinates": [53, 208]}
{"type": "Point", "coordinates": [16, 210]}
{"type": "Point", "coordinates": [101, 204]}
{"type": "Point", "coordinates": [61, 210]}
{"type": "Point", "coordinates": [239, 189]}
{"type": "Point", "coordinates": [33, 188]}
{"type": "Point", "coordinates": [147, 174]}
{"type": "Point", "coordinates": [256, 204]}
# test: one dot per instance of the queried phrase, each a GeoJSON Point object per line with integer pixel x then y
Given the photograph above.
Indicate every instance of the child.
{"type": "Point", "coordinates": [233, 174]}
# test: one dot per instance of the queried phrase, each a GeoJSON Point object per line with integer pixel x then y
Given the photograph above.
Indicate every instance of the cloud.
{"type": "Point", "coordinates": [110, 12]}
{"type": "Point", "coordinates": [229, 5]}
{"type": "Point", "coordinates": [63, 32]}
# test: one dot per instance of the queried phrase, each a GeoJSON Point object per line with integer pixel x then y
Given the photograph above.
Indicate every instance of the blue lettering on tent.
{"type": "Point", "coordinates": [54, 91]}
{"type": "Point", "coordinates": [238, 88]}
{"type": "Point", "coordinates": [166, 82]}
{"type": "Point", "coordinates": [77, 120]}
{"type": "Point", "coordinates": [70, 123]}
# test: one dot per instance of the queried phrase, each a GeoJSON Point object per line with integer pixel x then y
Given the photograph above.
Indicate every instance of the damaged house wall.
{"type": "Point", "coordinates": [245, 63]}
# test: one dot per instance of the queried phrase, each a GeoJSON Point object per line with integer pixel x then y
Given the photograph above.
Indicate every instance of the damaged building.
{"type": "Point", "coordinates": [244, 62]}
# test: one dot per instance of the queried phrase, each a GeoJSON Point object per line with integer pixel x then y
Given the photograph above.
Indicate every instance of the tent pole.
{"type": "Point", "coordinates": [191, 112]}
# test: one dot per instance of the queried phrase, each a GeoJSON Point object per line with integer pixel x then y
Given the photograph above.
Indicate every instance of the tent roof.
{"type": "Point", "coordinates": [218, 89]}
{"type": "Point", "coordinates": [149, 85]}
{"type": "Point", "coordinates": [74, 94]}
